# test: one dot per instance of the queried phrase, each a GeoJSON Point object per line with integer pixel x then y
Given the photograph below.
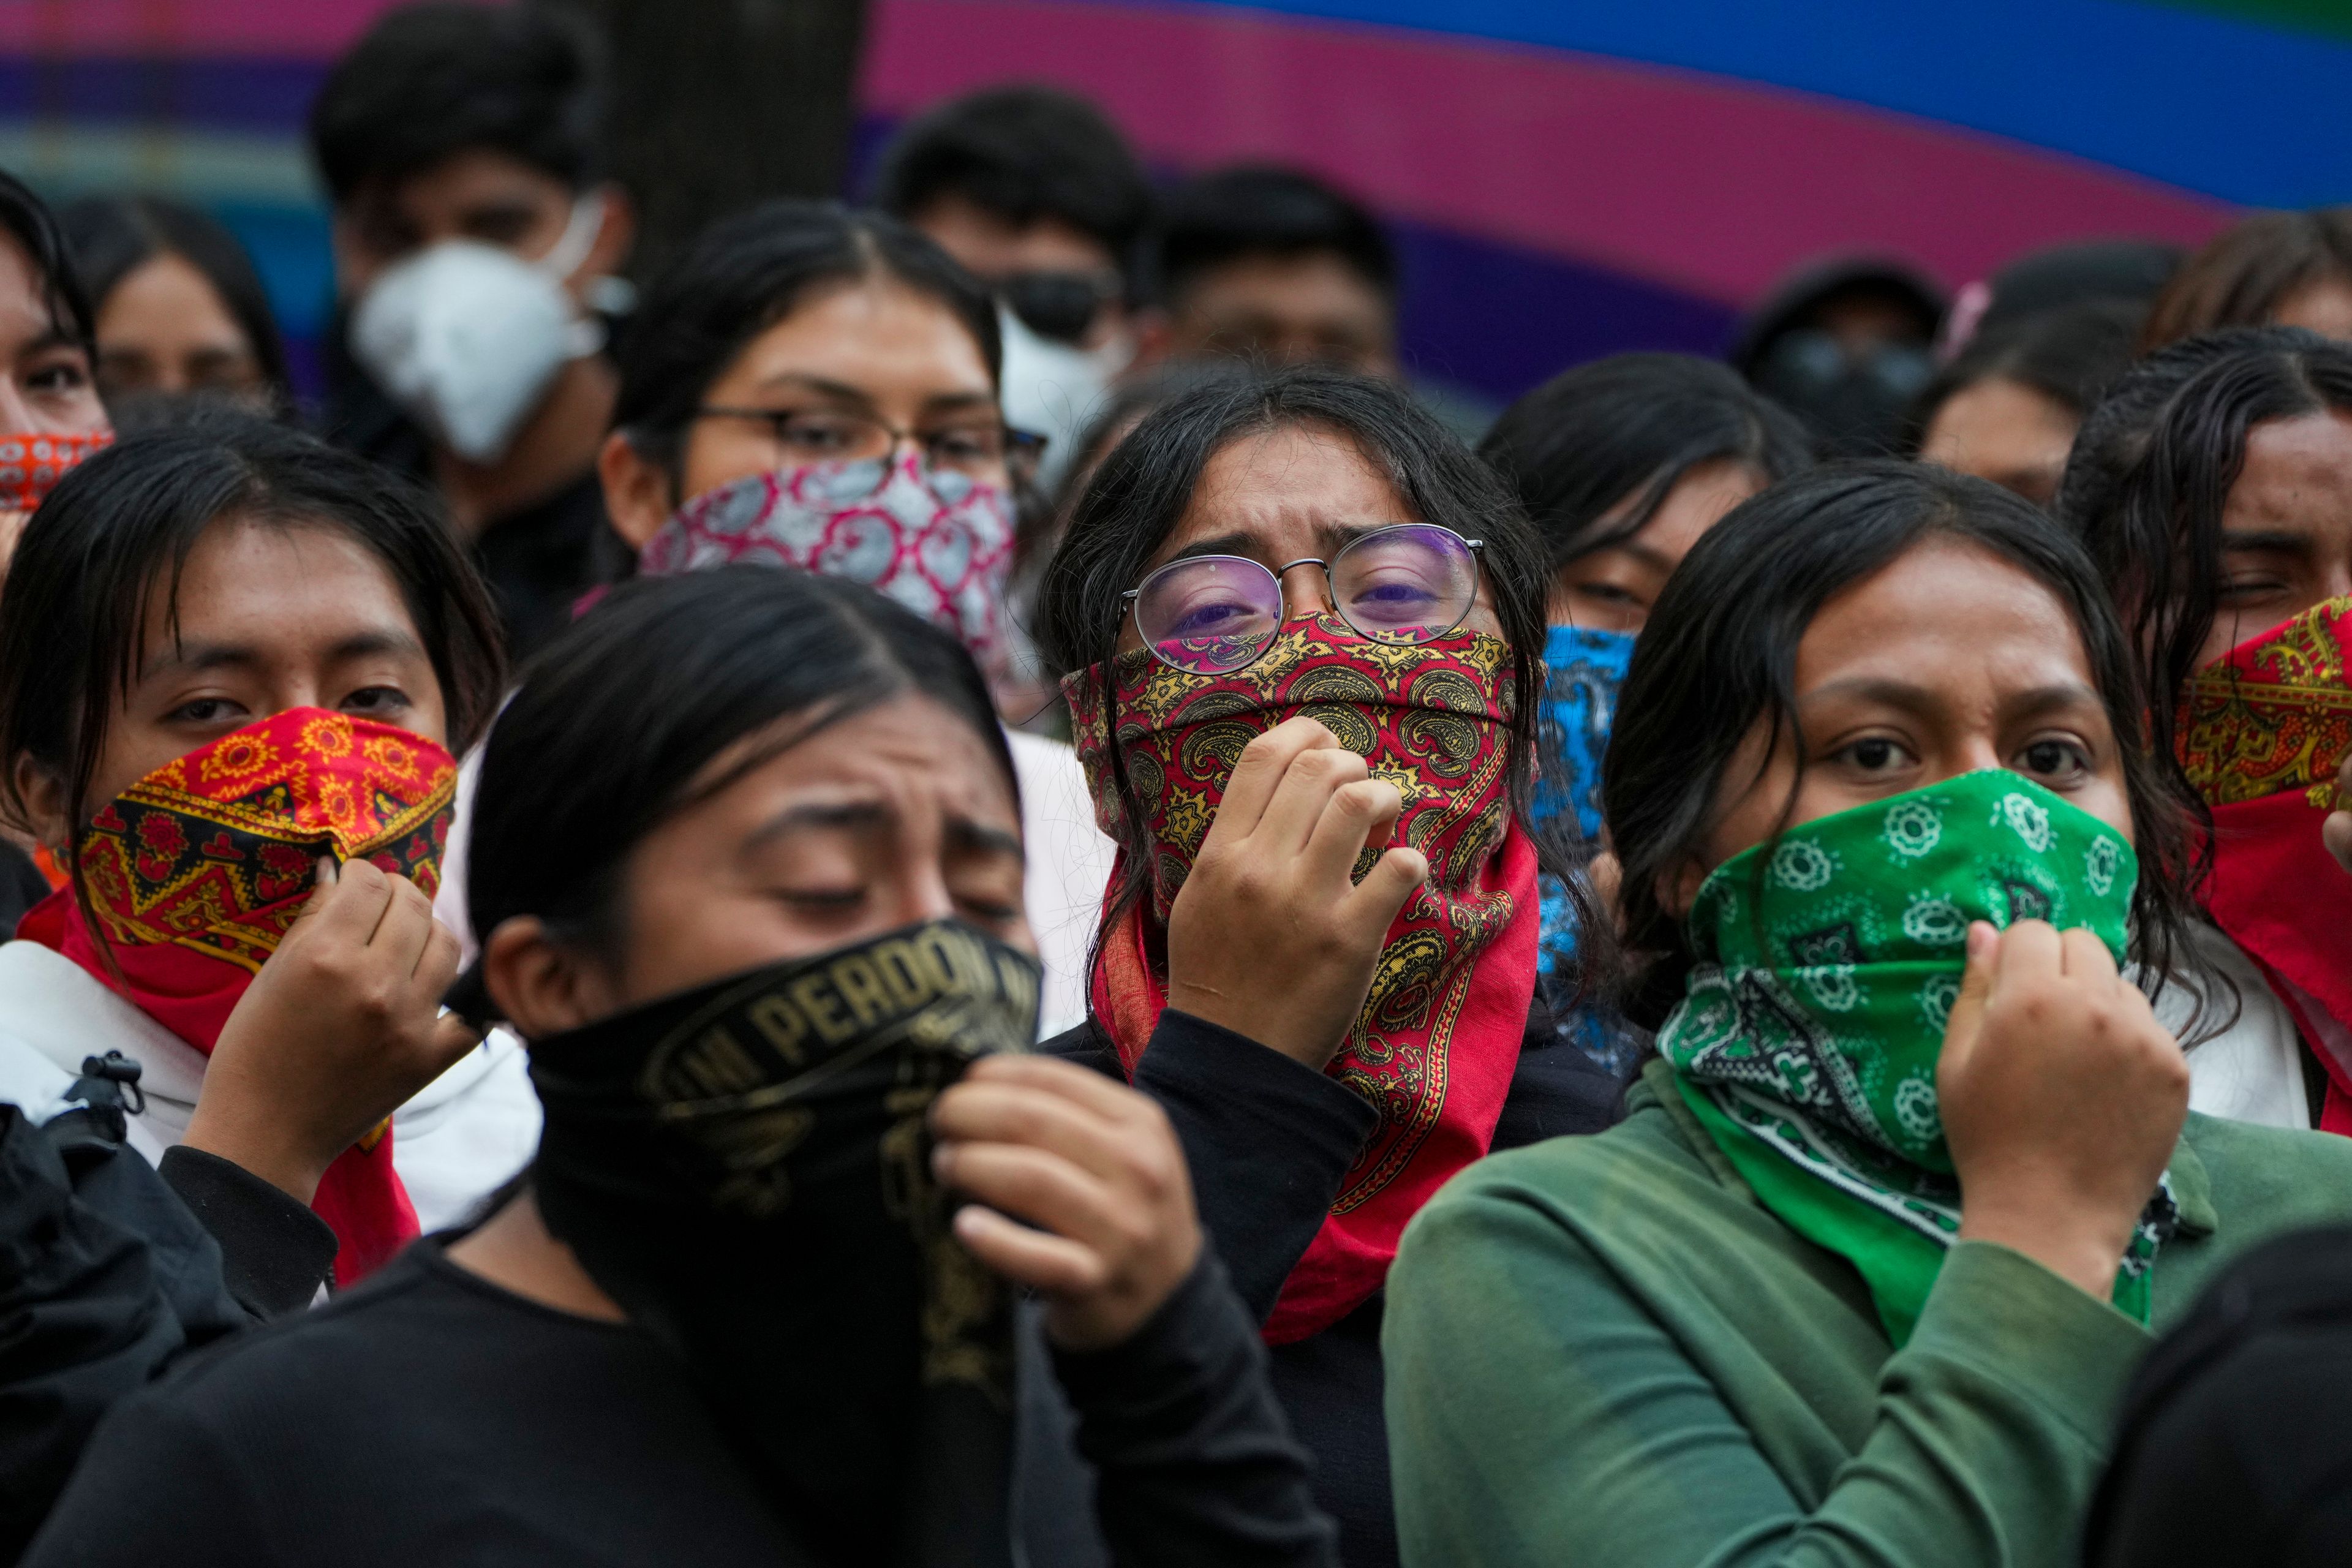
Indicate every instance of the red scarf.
{"type": "Point", "coordinates": [1438, 1040]}
{"type": "Point", "coordinates": [197, 870]}
{"type": "Point", "coordinates": [2260, 732]}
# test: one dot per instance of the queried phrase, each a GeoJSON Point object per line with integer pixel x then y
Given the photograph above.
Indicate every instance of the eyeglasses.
{"type": "Point", "coordinates": [1212, 614]}
{"type": "Point", "coordinates": [977, 449]}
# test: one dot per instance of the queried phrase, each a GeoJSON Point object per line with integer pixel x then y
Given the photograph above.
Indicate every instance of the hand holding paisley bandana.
{"type": "Point", "coordinates": [1807, 1040]}
{"type": "Point", "coordinates": [1438, 1039]}
{"type": "Point", "coordinates": [746, 1169]}
{"type": "Point", "coordinates": [2261, 734]}
{"type": "Point", "coordinates": [195, 873]}
{"type": "Point", "coordinates": [938, 541]}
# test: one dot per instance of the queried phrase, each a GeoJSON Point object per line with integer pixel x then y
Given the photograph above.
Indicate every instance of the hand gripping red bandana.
{"type": "Point", "coordinates": [1437, 1042]}
{"type": "Point", "coordinates": [196, 872]}
{"type": "Point", "coordinates": [2260, 732]}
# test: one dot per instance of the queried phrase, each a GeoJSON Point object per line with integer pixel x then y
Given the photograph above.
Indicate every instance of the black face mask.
{"type": "Point", "coordinates": [746, 1169]}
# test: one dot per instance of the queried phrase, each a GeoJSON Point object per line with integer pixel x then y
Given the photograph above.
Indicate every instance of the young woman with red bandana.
{"type": "Point", "coordinates": [233, 666]}
{"type": "Point", "coordinates": [2214, 489]}
{"type": "Point", "coordinates": [1306, 630]}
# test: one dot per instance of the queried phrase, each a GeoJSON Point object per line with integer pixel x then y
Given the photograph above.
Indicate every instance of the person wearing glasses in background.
{"type": "Point", "coordinates": [812, 387]}
{"type": "Point", "coordinates": [1040, 197]}
{"type": "Point", "coordinates": [476, 239]}
{"type": "Point", "coordinates": [1306, 628]}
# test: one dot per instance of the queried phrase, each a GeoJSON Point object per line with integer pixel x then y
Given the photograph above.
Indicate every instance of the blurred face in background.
{"type": "Point", "coordinates": [46, 385]}
{"type": "Point", "coordinates": [166, 330]}
{"type": "Point", "coordinates": [493, 197]}
{"type": "Point", "coordinates": [850, 359]}
{"type": "Point", "coordinates": [2004, 431]}
{"type": "Point", "coordinates": [1056, 262]}
{"type": "Point", "coordinates": [2324, 306]}
{"type": "Point", "coordinates": [1310, 308]}
{"type": "Point", "coordinates": [1612, 589]}
{"type": "Point", "coordinates": [2286, 528]}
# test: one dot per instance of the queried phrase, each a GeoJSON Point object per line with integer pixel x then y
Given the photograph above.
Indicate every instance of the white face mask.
{"type": "Point", "coordinates": [1055, 389]}
{"type": "Point", "coordinates": [466, 336]}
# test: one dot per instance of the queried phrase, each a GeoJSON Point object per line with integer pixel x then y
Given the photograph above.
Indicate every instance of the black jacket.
{"type": "Point", "coordinates": [1269, 1141]}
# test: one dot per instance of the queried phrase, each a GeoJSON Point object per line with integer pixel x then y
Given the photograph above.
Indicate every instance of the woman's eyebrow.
{"type": "Point", "coordinates": [849, 815]}
{"type": "Point", "coordinates": [840, 391]}
{"type": "Point", "coordinates": [965, 832]}
{"type": "Point", "coordinates": [1237, 543]}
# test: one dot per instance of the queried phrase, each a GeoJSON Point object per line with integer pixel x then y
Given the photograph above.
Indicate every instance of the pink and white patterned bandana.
{"type": "Point", "coordinates": [939, 542]}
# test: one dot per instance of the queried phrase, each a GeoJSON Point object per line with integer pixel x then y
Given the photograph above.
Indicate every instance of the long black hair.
{"type": "Point", "coordinates": [120, 527]}
{"type": "Point", "coordinates": [1718, 657]}
{"type": "Point", "coordinates": [744, 274]}
{"type": "Point", "coordinates": [1628, 429]}
{"type": "Point", "coordinates": [616, 721]}
{"type": "Point", "coordinates": [112, 237]}
{"type": "Point", "coordinates": [1142, 488]}
{"type": "Point", "coordinates": [2071, 355]}
{"type": "Point", "coordinates": [2152, 472]}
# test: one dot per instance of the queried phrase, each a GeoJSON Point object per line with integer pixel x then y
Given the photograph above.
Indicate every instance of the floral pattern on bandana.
{"type": "Point", "coordinates": [939, 542]}
{"type": "Point", "coordinates": [1439, 1035]}
{"type": "Point", "coordinates": [1808, 1037]}
{"type": "Point", "coordinates": [197, 872]}
{"type": "Point", "coordinates": [31, 465]}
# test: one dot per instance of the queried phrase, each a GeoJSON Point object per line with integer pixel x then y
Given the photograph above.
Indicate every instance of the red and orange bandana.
{"type": "Point", "coordinates": [32, 464]}
{"type": "Point", "coordinates": [197, 871]}
{"type": "Point", "coordinates": [1438, 1040]}
{"type": "Point", "coordinates": [2259, 733]}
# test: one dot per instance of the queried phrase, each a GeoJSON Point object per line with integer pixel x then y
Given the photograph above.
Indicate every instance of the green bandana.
{"type": "Point", "coordinates": [1828, 962]}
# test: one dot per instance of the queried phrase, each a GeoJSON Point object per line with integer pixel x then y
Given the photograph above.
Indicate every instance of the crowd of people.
{"type": "Point", "coordinates": [960, 887]}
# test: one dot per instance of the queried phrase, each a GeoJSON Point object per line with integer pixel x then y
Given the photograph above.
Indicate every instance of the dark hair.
{"type": "Point", "coordinates": [430, 81]}
{"type": "Point", "coordinates": [1630, 427]}
{"type": "Point", "coordinates": [73, 610]}
{"type": "Point", "coordinates": [2081, 272]}
{"type": "Point", "coordinates": [2070, 356]}
{"type": "Point", "coordinates": [30, 223]}
{"type": "Point", "coordinates": [1023, 153]}
{"type": "Point", "coordinates": [2154, 525]}
{"type": "Point", "coordinates": [1142, 488]}
{"type": "Point", "coordinates": [616, 721]}
{"type": "Point", "coordinates": [1263, 210]}
{"type": "Point", "coordinates": [1718, 657]}
{"type": "Point", "coordinates": [2246, 273]}
{"type": "Point", "coordinates": [112, 237]}
{"type": "Point", "coordinates": [748, 272]}
{"type": "Point", "coordinates": [1794, 302]}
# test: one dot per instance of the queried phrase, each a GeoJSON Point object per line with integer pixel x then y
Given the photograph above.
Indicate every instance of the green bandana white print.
{"type": "Point", "coordinates": [1828, 962]}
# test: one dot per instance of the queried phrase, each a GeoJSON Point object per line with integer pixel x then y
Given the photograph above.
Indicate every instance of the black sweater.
{"type": "Point", "coordinates": [431, 1416]}
{"type": "Point", "coordinates": [1269, 1141]}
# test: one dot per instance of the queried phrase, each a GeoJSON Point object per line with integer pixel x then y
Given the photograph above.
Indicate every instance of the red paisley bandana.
{"type": "Point", "coordinates": [2260, 732]}
{"type": "Point", "coordinates": [1439, 1038]}
{"type": "Point", "coordinates": [197, 870]}
{"type": "Point", "coordinates": [30, 465]}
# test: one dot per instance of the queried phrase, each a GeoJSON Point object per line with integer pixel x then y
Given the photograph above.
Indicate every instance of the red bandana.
{"type": "Point", "coordinates": [1438, 1040]}
{"type": "Point", "coordinates": [197, 870]}
{"type": "Point", "coordinates": [2260, 732]}
{"type": "Point", "coordinates": [30, 465]}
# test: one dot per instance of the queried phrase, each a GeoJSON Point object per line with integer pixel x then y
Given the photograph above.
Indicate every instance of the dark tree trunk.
{"type": "Point", "coordinates": [717, 104]}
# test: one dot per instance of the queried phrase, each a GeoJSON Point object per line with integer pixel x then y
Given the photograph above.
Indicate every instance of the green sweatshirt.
{"type": "Point", "coordinates": [1604, 1351]}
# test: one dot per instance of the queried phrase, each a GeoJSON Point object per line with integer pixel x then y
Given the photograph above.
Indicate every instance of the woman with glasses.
{"type": "Point", "coordinates": [816, 388]}
{"type": "Point", "coordinates": [1306, 628]}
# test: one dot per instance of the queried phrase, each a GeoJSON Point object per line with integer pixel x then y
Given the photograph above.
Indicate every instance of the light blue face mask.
{"type": "Point", "coordinates": [1583, 670]}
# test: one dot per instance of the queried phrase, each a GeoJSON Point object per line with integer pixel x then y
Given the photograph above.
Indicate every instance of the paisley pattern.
{"type": "Point", "coordinates": [1439, 1034]}
{"type": "Point", "coordinates": [196, 872]}
{"type": "Point", "coordinates": [1807, 1040]}
{"type": "Point", "coordinates": [2259, 733]}
{"type": "Point", "coordinates": [939, 544]}
{"type": "Point", "coordinates": [2274, 715]}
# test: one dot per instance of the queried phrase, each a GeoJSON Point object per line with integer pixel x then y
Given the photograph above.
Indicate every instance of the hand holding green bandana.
{"type": "Point", "coordinates": [1828, 963]}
